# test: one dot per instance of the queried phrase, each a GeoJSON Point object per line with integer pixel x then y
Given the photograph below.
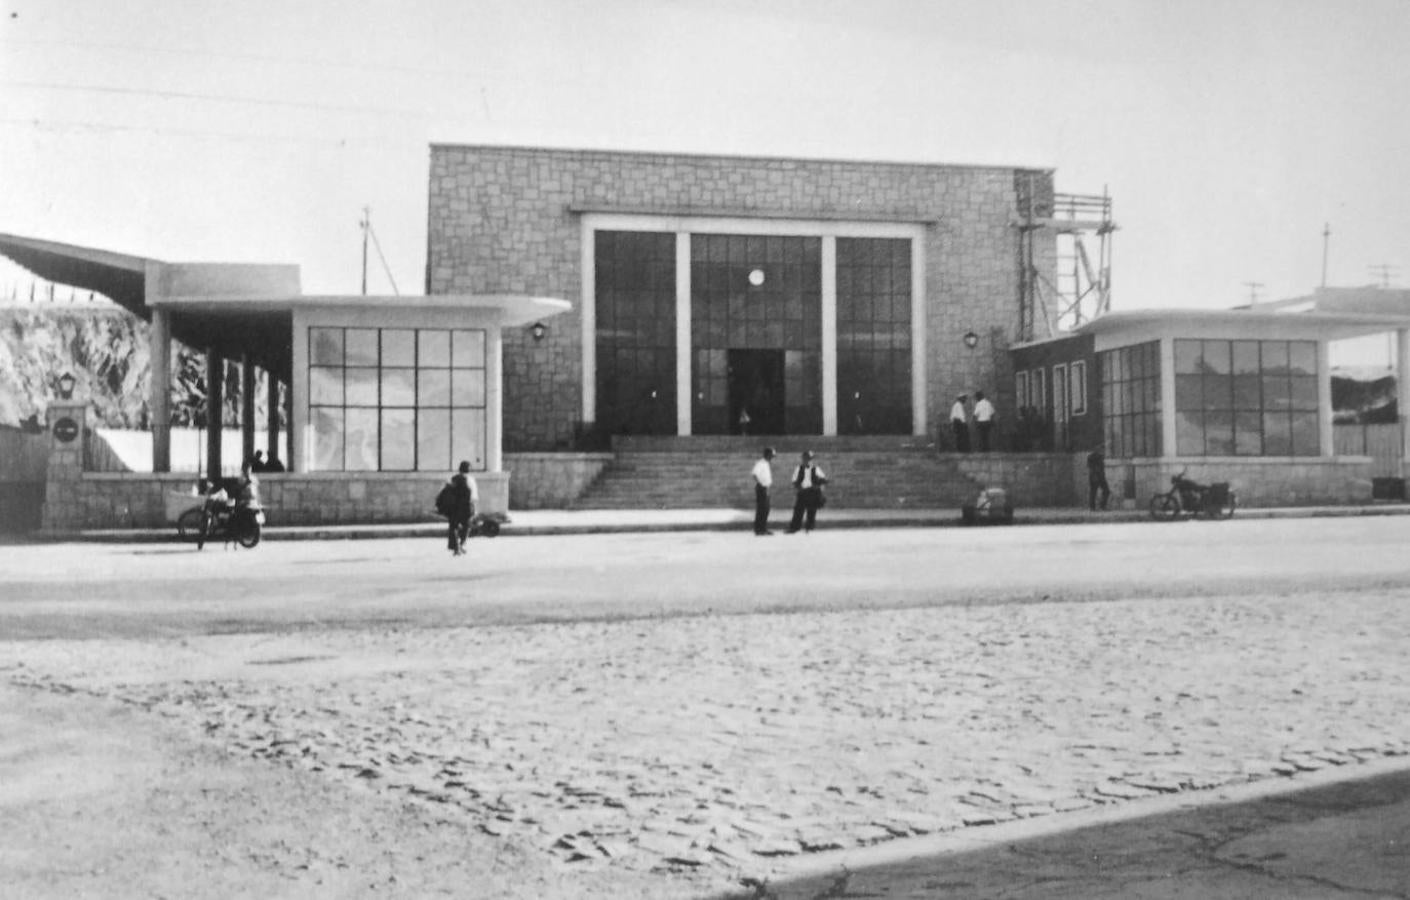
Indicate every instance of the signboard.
{"type": "Point", "coordinates": [65, 430]}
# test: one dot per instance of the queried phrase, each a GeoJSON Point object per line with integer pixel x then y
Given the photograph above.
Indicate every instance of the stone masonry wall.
{"type": "Point", "coordinates": [551, 480]}
{"type": "Point", "coordinates": [1259, 482]}
{"type": "Point", "coordinates": [1031, 479]}
{"type": "Point", "coordinates": [500, 220]}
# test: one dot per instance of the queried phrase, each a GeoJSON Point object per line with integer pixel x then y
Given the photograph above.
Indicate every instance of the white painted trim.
{"type": "Point", "coordinates": [828, 262]}
{"type": "Point", "coordinates": [731, 225]}
{"type": "Point", "coordinates": [1325, 432]}
{"type": "Point", "coordinates": [920, 398]}
{"type": "Point", "coordinates": [588, 319]}
{"type": "Point", "coordinates": [1402, 374]}
{"type": "Point", "coordinates": [684, 354]}
{"type": "Point", "coordinates": [1167, 397]}
{"type": "Point", "coordinates": [299, 444]}
{"type": "Point", "coordinates": [494, 399]}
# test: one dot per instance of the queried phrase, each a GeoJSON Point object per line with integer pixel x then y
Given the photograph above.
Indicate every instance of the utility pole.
{"type": "Point", "coordinates": [1253, 288]}
{"type": "Point", "coordinates": [1383, 271]}
{"type": "Point", "coordinates": [1326, 242]}
{"type": "Point", "coordinates": [366, 227]}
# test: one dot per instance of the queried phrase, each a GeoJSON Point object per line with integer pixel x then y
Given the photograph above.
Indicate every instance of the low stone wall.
{"type": "Point", "coordinates": [1031, 479]}
{"type": "Point", "coordinates": [551, 480]}
{"type": "Point", "coordinates": [1266, 482]}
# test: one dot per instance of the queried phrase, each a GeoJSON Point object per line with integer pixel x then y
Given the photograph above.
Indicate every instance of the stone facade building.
{"type": "Point", "coordinates": [815, 297]}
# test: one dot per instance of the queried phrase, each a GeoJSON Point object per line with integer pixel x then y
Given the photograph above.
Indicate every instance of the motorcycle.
{"type": "Point", "coordinates": [1190, 498]}
{"type": "Point", "coordinates": [224, 518]}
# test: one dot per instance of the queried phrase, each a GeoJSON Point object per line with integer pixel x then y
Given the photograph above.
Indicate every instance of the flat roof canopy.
{"type": "Point", "coordinates": [236, 308]}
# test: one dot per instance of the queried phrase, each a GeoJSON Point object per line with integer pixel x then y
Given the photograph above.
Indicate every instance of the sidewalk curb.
{"type": "Point", "coordinates": [982, 837]}
{"type": "Point", "coordinates": [740, 521]}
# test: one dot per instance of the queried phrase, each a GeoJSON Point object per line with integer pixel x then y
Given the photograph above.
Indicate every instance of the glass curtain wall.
{"type": "Point", "coordinates": [1246, 398]}
{"type": "Point", "coordinates": [1131, 400]}
{"type": "Point", "coordinates": [756, 299]}
{"type": "Point", "coordinates": [873, 336]}
{"type": "Point", "coordinates": [396, 399]}
{"type": "Point", "coordinates": [636, 331]}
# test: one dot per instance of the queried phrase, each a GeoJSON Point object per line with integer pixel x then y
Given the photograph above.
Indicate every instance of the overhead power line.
{"type": "Point", "coordinates": [216, 98]}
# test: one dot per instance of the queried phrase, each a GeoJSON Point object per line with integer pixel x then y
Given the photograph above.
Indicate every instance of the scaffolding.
{"type": "Point", "coordinates": [1079, 288]}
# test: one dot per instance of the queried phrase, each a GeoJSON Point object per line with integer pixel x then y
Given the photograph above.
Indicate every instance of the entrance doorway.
{"type": "Point", "coordinates": [756, 393]}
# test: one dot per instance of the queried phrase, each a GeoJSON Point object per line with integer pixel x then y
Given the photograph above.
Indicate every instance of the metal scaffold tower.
{"type": "Point", "coordinates": [1064, 286]}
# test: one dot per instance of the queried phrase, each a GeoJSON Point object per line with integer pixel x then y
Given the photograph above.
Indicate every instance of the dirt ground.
{"type": "Point", "coordinates": [98, 800]}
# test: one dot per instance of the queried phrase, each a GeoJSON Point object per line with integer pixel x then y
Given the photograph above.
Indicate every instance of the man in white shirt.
{"type": "Point", "coordinates": [959, 424]}
{"type": "Point", "coordinates": [983, 419]}
{"type": "Point", "coordinates": [763, 480]}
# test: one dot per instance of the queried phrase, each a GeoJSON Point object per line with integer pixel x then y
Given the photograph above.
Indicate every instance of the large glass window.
{"type": "Point", "coordinates": [873, 336]}
{"type": "Point", "coordinates": [1131, 400]}
{"type": "Point", "coordinates": [636, 331]}
{"type": "Point", "coordinates": [1246, 398]}
{"type": "Point", "coordinates": [396, 399]}
{"type": "Point", "coordinates": [756, 334]}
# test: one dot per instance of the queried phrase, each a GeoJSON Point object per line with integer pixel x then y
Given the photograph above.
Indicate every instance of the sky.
{"type": "Point", "coordinates": [1229, 134]}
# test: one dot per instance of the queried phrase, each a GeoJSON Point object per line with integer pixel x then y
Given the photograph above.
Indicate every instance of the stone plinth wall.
{"type": "Point", "coordinates": [1270, 482]}
{"type": "Point", "coordinates": [98, 501]}
{"type": "Point", "coordinates": [551, 480]}
{"type": "Point", "coordinates": [502, 219]}
{"type": "Point", "coordinates": [1031, 479]}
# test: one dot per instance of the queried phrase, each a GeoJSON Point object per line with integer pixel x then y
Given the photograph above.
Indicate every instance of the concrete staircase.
{"type": "Point", "coordinates": [714, 472]}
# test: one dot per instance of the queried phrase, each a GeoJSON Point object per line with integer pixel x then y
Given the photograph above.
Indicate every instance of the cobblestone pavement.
{"type": "Point", "coordinates": [717, 744]}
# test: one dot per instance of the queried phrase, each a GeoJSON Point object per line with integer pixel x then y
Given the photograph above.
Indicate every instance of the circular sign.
{"type": "Point", "coordinates": [66, 429]}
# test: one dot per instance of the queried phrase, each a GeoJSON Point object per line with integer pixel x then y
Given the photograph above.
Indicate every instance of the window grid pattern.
{"type": "Point", "coordinates": [636, 331]}
{"type": "Point", "coordinates": [873, 336]}
{"type": "Point", "coordinates": [1246, 398]}
{"type": "Point", "coordinates": [1131, 400]}
{"type": "Point", "coordinates": [729, 312]}
{"type": "Point", "coordinates": [396, 399]}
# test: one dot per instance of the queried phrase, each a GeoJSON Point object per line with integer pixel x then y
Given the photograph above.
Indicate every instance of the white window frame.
{"type": "Point", "coordinates": [1077, 389]}
{"type": "Point", "coordinates": [1020, 389]}
{"type": "Point", "coordinates": [1039, 388]}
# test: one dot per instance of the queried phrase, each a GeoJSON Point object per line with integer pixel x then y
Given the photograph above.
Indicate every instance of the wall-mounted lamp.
{"type": "Point", "coordinates": [66, 386]}
{"type": "Point", "coordinates": [971, 340]}
{"type": "Point", "coordinates": [538, 330]}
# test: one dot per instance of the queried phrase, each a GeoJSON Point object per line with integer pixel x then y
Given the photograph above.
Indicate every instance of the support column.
{"type": "Point", "coordinates": [920, 401]}
{"type": "Point", "coordinates": [494, 399]}
{"type": "Point", "coordinates": [829, 335]}
{"type": "Point", "coordinates": [159, 395]}
{"type": "Point", "coordinates": [1402, 395]}
{"type": "Point", "coordinates": [215, 403]}
{"type": "Point", "coordinates": [1168, 442]}
{"type": "Point", "coordinates": [271, 427]}
{"type": "Point", "coordinates": [247, 408]}
{"type": "Point", "coordinates": [684, 356]}
{"type": "Point", "coordinates": [1326, 435]}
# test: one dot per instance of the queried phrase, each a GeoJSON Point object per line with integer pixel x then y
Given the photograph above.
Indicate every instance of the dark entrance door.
{"type": "Point", "coordinates": [756, 389]}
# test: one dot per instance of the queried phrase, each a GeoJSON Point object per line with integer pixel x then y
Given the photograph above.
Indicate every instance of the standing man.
{"type": "Point", "coordinates": [464, 495]}
{"type": "Point", "coordinates": [959, 424]}
{"type": "Point", "coordinates": [983, 419]}
{"type": "Point", "coordinates": [808, 480]}
{"type": "Point", "coordinates": [1096, 479]}
{"type": "Point", "coordinates": [763, 480]}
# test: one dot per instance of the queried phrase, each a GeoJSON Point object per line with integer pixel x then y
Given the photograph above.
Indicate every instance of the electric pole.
{"type": "Point", "coordinates": [1326, 242]}
{"type": "Point", "coordinates": [1383, 271]}
{"type": "Point", "coordinates": [1253, 288]}
{"type": "Point", "coordinates": [366, 227]}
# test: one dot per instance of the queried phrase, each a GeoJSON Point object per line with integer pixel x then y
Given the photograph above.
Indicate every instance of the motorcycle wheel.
{"type": "Point", "coordinates": [249, 535]}
{"type": "Point", "coordinates": [1164, 506]}
{"type": "Point", "coordinates": [1226, 511]}
{"type": "Point", "coordinates": [188, 524]}
{"type": "Point", "coordinates": [205, 530]}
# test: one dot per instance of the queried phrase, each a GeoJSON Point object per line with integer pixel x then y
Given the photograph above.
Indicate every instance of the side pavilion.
{"type": "Point", "coordinates": [384, 395]}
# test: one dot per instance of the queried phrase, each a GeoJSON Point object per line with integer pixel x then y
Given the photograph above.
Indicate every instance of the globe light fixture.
{"type": "Point", "coordinates": [66, 386]}
{"type": "Point", "coordinates": [538, 330]}
{"type": "Point", "coordinates": [971, 340]}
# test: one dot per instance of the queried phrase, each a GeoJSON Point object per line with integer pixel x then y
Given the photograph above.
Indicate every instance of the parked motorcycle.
{"type": "Point", "coordinates": [1190, 498]}
{"type": "Point", "coordinates": [223, 518]}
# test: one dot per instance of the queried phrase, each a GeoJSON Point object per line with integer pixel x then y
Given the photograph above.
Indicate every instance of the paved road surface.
{"type": "Point", "coordinates": [607, 701]}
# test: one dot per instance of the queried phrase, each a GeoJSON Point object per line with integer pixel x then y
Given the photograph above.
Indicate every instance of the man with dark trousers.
{"type": "Point", "coordinates": [808, 480]}
{"type": "Point", "coordinates": [1096, 479]}
{"type": "Point", "coordinates": [763, 480]}
{"type": "Point", "coordinates": [959, 423]}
